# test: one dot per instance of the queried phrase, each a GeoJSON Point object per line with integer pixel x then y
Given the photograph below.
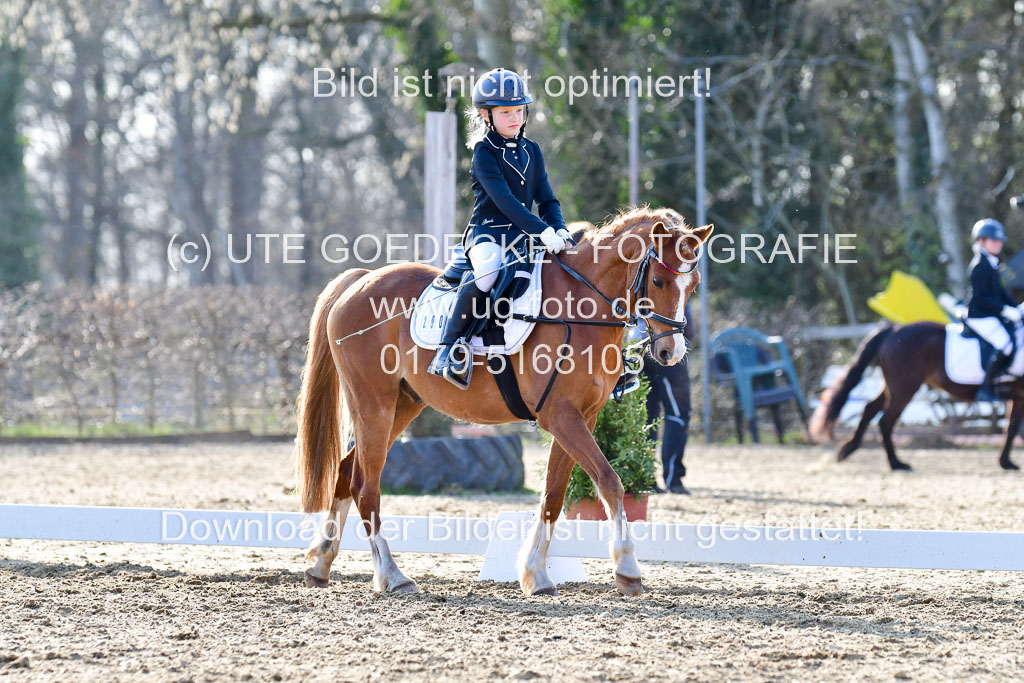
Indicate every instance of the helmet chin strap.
{"type": "Point", "coordinates": [522, 129]}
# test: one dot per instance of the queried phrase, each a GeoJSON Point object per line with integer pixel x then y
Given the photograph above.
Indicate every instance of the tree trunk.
{"type": "Point", "coordinates": [245, 155]}
{"type": "Point", "coordinates": [189, 182]}
{"type": "Point", "coordinates": [198, 396]}
{"type": "Point", "coordinates": [100, 201]}
{"type": "Point", "coordinates": [494, 46]}
{"type": "Point", "coordinates": [305, 194]}
{"type": "Point", "coordinates": [73, 248]}
{"type": "Point", "coordinates": [942, 164]}
{"type": "Point", "coordinates": [151, 377]}
{"type": "Point", "coordinates": [901, 131]}
{"type": "Point", "coordinates": [121, 233]}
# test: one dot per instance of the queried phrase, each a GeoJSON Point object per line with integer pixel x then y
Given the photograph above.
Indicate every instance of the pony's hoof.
{"type": "Point", "coordinates": [900, 466]}
{"type": "Point", "coordinates": [546, 590]}
{"type": "Point", "coordinates": [315, 581]}
{"type": "Point", "coordinates": [629, 586]}
{"type": "Point", "coordinates": [1008, 465]}
{"type": "Point", "coordinates": [407, 587]}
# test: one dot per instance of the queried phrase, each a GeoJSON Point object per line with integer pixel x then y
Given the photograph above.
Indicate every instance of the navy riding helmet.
{"type": "Point", "coordinates": [988, 228]}
{"type": "Point", "coordinates": [502, 88]}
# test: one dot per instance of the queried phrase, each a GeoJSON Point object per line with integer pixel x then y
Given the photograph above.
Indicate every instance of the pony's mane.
{"type": "Point", "coordinates": [627, 219]}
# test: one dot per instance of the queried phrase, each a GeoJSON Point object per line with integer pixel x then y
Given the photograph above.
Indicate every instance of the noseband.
{"type": "Point", "coordinates": [639, 287]}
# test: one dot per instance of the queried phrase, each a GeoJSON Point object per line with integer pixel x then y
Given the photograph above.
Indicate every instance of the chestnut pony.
{"type": "Point", "coordinates": [351, 387]}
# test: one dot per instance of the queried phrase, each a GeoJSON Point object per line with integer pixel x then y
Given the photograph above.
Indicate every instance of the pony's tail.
{"type": "Point", "coordinates": [323, 422]}
{"type": "Point", "coordinates": [833, 399]}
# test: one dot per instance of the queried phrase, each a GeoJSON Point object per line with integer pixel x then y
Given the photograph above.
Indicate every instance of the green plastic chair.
{"type": "Point", "coordinates": [761, 373]}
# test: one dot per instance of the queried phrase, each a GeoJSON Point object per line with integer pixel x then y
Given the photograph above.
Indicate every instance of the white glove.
{"type": "Point", "coordinates": [552, 240]}
{"type": "Point", "coordinates": [564, 234]}
{"type": "Point", "coordinates": [1011, 313]}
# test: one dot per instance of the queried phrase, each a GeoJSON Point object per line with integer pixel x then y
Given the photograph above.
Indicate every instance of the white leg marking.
{"type": "Point", "coordinates": [386, 575]}
{"type": "Point", "coordinates": [532, 562]}
{"type": "Point", "coordinates": [325, 545]}
{"type": "Point", "coordinates": [621, 544]}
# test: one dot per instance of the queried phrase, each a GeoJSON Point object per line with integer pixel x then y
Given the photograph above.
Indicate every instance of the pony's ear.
{"type": "Point", "coordinates": [703, 233]}
{"type": "Point", "coordinates": [659, 230]}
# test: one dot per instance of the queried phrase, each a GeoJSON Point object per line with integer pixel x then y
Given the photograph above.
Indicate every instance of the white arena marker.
{"type": "Point", "coordinates": [807, 546]}
{"type": "Point", "coordinates": [447, 535]}
{"type": "Point", "coordinates": [151, 525]}
{"type": "Point", "coordinates": [500, 559]}
{"type": "Point", "coordinates": [880, 548]}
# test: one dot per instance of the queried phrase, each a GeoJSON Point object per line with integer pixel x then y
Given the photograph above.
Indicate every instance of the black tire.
{"type": "Point", "coordinates": [487, 463]}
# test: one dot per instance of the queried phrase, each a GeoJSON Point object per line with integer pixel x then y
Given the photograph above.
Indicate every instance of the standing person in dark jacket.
{"type": "Point", "coordinates": [990, 299]}
{"type": "Point", "coordinates": [508, 178]}
{"type": "Point", "coordinates": [670, 396]}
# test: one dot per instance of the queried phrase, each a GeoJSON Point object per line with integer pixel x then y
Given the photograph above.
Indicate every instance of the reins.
{"type": "Point", "coordinates": [638, 286]}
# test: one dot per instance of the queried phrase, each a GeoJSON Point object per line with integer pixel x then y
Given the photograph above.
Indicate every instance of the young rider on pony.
{"type": "Point", "coordinates": [508, 178]}
{"type": "Point", "coordinates": [990, 299]}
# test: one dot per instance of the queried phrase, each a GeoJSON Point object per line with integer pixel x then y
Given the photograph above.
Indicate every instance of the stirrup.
{"type": "Point", "coordinates": [627, 383]}
{"type": "Point", "coordinates": [436, 366]}
{"type": "Point", "coordinates": [446, 364]}
{"type": "Point", "coordinates": [450, 371]}
{"type": "Point", "coordinates": [994, 391]}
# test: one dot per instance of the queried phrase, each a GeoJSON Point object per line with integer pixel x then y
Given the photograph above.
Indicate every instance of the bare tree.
{"type": "Point", "coordinates": [19, 337]}
{"type": "Point", "coordinates": [941, 159]}
{"type": "Point", "coordinates": [901, 130]}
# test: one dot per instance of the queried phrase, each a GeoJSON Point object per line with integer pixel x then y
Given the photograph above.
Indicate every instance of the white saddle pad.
{"type": "Point", "coordinates": [434, 306]}
{"type": "Point", "coordinates": [963, 355]}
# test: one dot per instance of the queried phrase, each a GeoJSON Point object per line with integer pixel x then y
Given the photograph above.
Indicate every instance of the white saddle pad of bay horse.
{"type": "Point", "coordinates": [434, 305]}
{"type": "Point", "coordinates": [963, 355]}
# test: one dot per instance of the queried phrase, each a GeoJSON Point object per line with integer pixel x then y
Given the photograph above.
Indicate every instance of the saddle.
{"type": "Point", "coordinates": [516, 291]}
{"type": "Point", "coordinates": [514, 279]}
{"type": "Point", "coordinates": [987, 351]}
{"type": "Point", "coordinates": [969, 353]}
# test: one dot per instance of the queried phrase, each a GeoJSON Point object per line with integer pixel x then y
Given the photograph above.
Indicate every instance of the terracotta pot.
{"type": "Point", "coordinates": [589, 508]}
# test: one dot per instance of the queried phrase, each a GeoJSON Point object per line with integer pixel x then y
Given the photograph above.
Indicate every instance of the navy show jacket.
{"type": "Point", "coordinates": [988, 296]}
{"type": "Point", "coordinates": [508, 178]}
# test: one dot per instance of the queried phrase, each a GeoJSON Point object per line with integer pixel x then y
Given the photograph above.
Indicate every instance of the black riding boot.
{"type": "Point", "coordinates": [453, 360]}
{"type": "Point", "coordinates": [987, 391]}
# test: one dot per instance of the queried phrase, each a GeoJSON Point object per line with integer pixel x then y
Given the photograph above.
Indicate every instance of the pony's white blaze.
{"type": "Point", "coordinates": [679, 348]}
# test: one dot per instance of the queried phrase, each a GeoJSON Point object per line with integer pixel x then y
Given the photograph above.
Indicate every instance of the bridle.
{"type": "Point", "coordinates": [638, 287]}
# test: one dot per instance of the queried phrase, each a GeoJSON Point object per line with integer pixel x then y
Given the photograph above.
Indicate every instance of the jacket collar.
{"type": "Point", "coordinates": [500, 141]}
{"type": "Point", "coordinates": [993, 260]}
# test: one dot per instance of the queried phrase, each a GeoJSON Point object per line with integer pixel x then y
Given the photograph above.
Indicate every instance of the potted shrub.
{"type": "Point", "coordinates": [621, 432]}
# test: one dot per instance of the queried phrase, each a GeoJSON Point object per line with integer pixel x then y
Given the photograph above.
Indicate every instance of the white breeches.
{"type": "Point", "coordinates": [486, 258]}
{"type": "Point", "coordinates": [992, 331]}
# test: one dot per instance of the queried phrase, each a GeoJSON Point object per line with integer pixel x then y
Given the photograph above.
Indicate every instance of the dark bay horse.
{"type": "Point", "coordinates": [909, 356]}
{"type": "Point", "coordinates": [346, 389]}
